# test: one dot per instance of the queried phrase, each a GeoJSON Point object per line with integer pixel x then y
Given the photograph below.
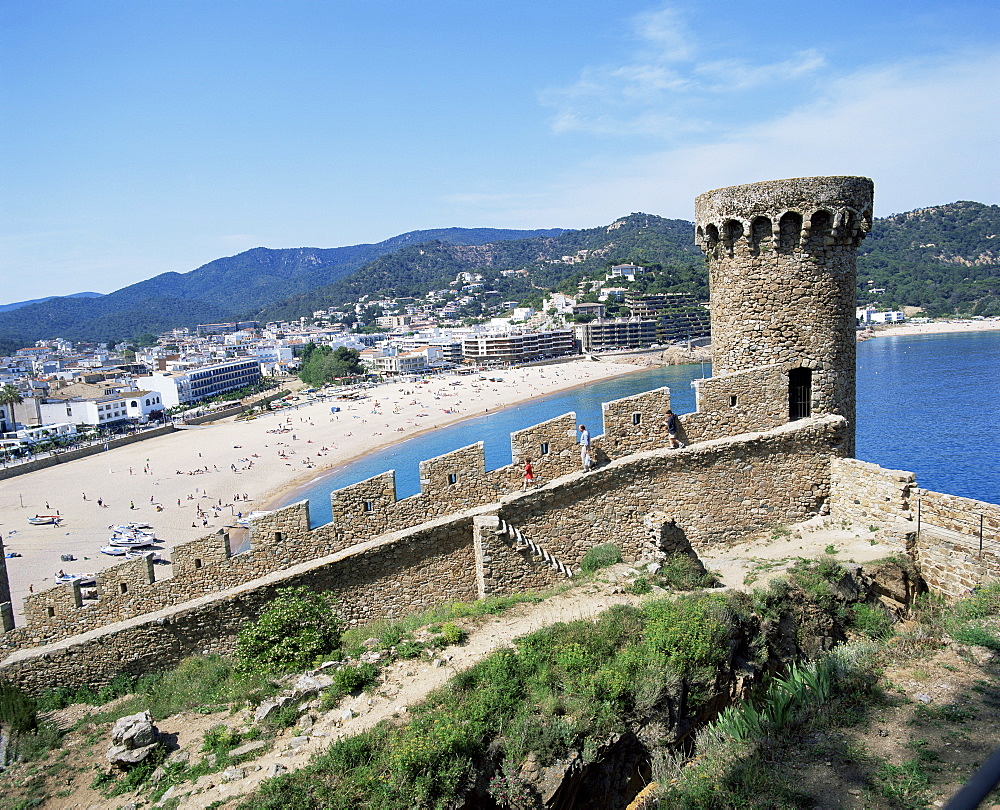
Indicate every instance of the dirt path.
{"type": "Point", "coordinates": [406, 683]}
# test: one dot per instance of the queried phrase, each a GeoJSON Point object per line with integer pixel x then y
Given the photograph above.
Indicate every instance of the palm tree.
{"type": "Point", "coordinates": [9, 397]}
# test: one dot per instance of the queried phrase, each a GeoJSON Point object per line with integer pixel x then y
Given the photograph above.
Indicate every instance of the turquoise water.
{"type": "Point", "coordinates": [928, 404]}
{"type": "Point", "coordinates": [494, 431]}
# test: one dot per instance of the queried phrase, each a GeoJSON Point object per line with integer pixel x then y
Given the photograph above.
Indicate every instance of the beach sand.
{"type": "Point", "coordinates": [203, 469]}
{"type": "Point", "coordinates": [937, 328]}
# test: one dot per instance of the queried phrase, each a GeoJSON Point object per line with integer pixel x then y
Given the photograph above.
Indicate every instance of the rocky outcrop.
{"type": "Point", "coordinates": [133, 739]}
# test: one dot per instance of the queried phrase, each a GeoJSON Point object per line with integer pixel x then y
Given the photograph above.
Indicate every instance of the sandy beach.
{"type": "Point", "coordinates": [937, 327]}
{"type": "Point", "coordinates": [199, 479]}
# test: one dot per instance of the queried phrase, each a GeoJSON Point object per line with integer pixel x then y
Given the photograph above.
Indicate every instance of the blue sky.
{"type": "Point", "coordinates": [143, 137]}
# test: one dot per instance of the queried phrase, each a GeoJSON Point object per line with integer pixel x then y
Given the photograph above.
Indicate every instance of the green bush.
{"type": "Point", "coordinates": [297, 627]}
{"type": "Point", "coordinates": [18, 709]}
{"type": "Point", "coordinates": [351, 678]}
{"type": "Point", "coordinates": [451, 634]}
{"type": "Point", "coordinates": [409, 649]}
{"type": "Point", "coordinates": [689, 632]}
{"type": "Point", "coordinates": [872, 620]}
{"type": "Point", "coordinates": [601, 557]}
{"type": "Point", "coordinates": [685, 573]}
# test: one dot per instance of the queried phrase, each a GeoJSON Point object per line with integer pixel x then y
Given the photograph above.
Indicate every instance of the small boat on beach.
{"type": "Point", "coordinates": [84, 579]}
{"type": "Point", "coordinates": [114, 551]}
{"type": "Point", "coordinates": [44, 520]}
{"type": "Point", "coordinates": [129, 527]}
{"type": "Point", "coordinates": [246, 521]}
{"type": "Point", "coordinates": [137, 540]}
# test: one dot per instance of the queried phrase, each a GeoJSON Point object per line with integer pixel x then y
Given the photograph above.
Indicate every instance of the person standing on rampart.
{"type": "Point", "coordinates": [529, 475]}
{"type": "Point", "coordinates": [672, 427]}
{"type": "Point", "coordinates": [584, 448]}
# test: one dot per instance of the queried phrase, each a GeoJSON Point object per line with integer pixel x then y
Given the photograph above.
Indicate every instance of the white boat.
{"type": "Point", "coordinates": [43, 520]}
{"type": "Point", "coordinates": [128, 528]}
{"type": "Point", "coordinates": [114, 551]}
{"type": "Point", "coordinates": [132, 541]}
{"type": "Point", "coordinates": [247, 520]}
{"type": "Point", "coordinates": [83, 579]}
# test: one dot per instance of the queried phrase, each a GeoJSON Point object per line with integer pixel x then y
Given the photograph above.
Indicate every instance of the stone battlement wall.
{"type": "Point", "coordinates": [753, 481]}
{"type": "Point", "coordinates": [955, 541]}
{"type": "Point", "coordinates": [450, 484]}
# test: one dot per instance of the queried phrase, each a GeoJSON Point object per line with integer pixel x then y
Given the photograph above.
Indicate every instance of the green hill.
{"type": "Point", "coordinates": [945, 259]}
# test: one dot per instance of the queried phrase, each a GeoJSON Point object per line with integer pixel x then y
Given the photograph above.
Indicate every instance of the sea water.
{"type": "Point", "coordinates": [929, 404]}
{"type": "Point", "coordinates": [926, 403]}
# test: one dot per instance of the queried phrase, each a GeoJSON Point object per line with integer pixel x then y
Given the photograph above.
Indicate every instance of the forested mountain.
{"type": "Point", "coordinates": [223, 289]}
{"type": "Point", "coordinates": [945, 259]}
{"type": "Point", "coordinates": [414, 271]}
{"type": "Point", "coordinates": [19, 304]}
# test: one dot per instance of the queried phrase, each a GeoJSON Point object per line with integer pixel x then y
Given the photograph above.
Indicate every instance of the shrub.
{"type": "Point", "coordinates": [297, 627]}
{"type": "Point", "coordinates": [409, 649]}
{"type": "Point", "coordinates": [18, 709]}
{"type": "Point", "coordinates": [873, 621]}
{"type": "Point", "coordinates": [351, 678]}
{"type": "Point", "coordinates": [601, 557]}
{"type": "Point", "coordinates": [688, 632]}
{"type": "Point", "coordinates": [451, 633]}
{"type": "Point", "coordinates": [686, 573]}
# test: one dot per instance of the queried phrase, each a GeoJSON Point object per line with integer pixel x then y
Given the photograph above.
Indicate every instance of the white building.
{"type": "Point", "coordinates": [196, 384]}
{"type": "Point", "coordinates": [135, 406]}
{"type": "Point", "coordinates": [870, 315]}
{"type": "Point", "coordinates": [626, 271]}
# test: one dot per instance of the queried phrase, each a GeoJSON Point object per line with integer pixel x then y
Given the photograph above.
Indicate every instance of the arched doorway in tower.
{"type": "Point", "coordinates": [799, 393]}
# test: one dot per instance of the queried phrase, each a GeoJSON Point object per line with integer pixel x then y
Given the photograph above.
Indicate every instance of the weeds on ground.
{"type": "Point", "coordinates": [207, 684]}
{"type": "Point", "coordinates": [600, 557]}
{"type": "Point", "coordinates": [554, 689]}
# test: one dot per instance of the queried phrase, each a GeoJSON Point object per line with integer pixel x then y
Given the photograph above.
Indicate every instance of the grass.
{"type": "Point", "coordinates": [600, 557]}
{"type": "Point", "coordinates": [545, 696]}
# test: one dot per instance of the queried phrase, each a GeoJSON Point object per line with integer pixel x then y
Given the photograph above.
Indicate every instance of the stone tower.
{"type": "Point", "coordinates": [782, 269]}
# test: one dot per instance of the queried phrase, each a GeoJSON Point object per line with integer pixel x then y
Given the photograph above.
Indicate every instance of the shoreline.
{"type": "Point", "coordinates": [199, 479]}
{"type": "Point", "coordinates": [286, 497]}
{"type": "Point", "coordinates": [936, 328]}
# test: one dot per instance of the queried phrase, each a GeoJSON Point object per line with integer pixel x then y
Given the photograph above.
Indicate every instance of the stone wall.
{"type": "Point", "coordinates": [715, 492]}
{"type": "Point", "coordinates": [82, 452]}
{"type": "Point", "coordinates": [388, 578]}
{"type": "Point", "coordinates": [739, 402]}
{"type": "Point", "coordinates": [957, 543]}
{"type": "Point", "coordinates": [632, 424]}
{"type": "Point", "coordinates": [957, 514]}
{"type": "Point", "coordinates": [941, 532]}
{"type": "Point", "coordinates": [752, 482]}
{"type": "Point", "coordinates": [551, 446]}
{"type": "Point", "coordinates": [867, 494]}
{"type": "Point", "coordinates": [502, 567]}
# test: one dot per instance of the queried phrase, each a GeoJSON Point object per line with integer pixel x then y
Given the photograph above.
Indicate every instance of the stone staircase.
{"type": "Point", "coordinates": [521, 543]}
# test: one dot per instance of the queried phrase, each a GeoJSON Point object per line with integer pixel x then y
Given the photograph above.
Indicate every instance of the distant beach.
{"type": "Point", "coordinates": [936, 327]}
{"type": "Point", "coordinates": [212, 473]}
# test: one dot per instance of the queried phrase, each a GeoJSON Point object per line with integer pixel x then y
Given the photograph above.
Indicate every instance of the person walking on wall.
{"type": "Point", "coordinates": [584, 448]}
{"type": "Point", "coordinates": [529, 475]}
{"type": "Point", "coordinates": [672, 431]}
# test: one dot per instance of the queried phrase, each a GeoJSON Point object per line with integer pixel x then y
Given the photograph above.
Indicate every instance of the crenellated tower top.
{"type": "Point", "coordinates": [793, 214]}
{"type": "Point", "coordinates": [781, 260]}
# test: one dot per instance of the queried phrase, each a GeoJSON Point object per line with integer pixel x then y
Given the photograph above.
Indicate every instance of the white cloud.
{"type": "Point", "coordinates": [925, 131]}
{"type": "Point", "coordinates": [662, 88]}
{"type": "Point", "coordinates": [664, 30]}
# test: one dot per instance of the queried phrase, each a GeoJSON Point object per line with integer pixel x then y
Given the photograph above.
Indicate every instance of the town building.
{"type": "Point", "coordinates": [195, 384]}
{"type": "Point", "coordinates": [499, 348]}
